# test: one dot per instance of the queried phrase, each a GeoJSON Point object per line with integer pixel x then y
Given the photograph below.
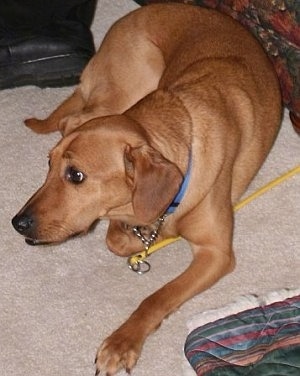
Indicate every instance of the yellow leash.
{"type": "Point", "coordinates": [137, 262]}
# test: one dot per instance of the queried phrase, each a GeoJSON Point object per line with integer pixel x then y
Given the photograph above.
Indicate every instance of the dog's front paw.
{"type": "Point", "coordinates": [119, 351]}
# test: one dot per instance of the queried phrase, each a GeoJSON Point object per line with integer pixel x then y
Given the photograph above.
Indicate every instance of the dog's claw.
{"type": "Point", "coordinates": [120, 351]}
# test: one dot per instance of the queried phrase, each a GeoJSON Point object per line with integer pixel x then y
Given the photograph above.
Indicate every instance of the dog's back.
{"type": "Point", "coordinates": [224, 80]}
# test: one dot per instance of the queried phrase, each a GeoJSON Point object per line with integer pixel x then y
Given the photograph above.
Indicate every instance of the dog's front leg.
{"type": "Point", "coordinates": [122, 349]}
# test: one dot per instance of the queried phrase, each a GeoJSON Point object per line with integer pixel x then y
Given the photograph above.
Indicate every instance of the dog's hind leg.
{"type": "Point", "coordinates": [128, 66]}
{"type": "Point", "coordinates": [54, 122]}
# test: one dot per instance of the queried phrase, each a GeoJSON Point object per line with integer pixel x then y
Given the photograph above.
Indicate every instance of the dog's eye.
{"type": "Point", "coordinates": [74, 176]}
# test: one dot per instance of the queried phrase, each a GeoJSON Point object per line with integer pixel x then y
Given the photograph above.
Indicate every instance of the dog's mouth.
{"type": "Point", "coordinates": [34, 242]}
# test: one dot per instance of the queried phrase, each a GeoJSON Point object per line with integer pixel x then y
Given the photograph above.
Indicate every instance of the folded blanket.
{"type": "Point", "coordinates": [260, 341]}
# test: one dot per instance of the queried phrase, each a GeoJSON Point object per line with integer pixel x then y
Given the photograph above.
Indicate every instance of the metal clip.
{"type": "Point", "coordinates": [137, 262]}
{"type": "Point", "coordinates": [139, 266]}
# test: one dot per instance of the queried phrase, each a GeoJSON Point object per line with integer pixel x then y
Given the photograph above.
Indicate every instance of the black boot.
{"type": "Point", "coordinates": [44, 44]}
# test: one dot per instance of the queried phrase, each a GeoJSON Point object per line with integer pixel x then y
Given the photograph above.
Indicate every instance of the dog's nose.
{"type": "Point", "coordinates": [23, 223]}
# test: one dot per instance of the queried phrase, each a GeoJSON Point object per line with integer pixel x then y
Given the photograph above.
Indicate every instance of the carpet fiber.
{"type": "Point", "coordinates": [59, 302]}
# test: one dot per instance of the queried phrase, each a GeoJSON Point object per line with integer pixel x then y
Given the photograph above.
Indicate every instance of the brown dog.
{"type": "Point", "coordinates": [206, 128]}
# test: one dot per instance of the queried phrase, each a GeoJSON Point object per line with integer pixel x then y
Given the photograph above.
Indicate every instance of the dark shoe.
{"type": "Point", "coordinates": [52, 57]}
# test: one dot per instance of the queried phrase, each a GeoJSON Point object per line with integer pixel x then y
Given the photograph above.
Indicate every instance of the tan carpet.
{"type": "Point", "coordinates": [59, 302]}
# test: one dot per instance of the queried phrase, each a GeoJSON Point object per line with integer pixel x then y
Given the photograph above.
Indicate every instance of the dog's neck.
{"type": "Point", "coordinates": [183, 187]}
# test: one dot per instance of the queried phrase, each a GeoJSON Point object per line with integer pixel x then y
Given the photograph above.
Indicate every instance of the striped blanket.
{"type": "Point", "coordinates": [260, 341]}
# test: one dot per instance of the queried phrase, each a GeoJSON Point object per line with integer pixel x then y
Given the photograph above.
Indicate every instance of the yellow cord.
{"type": "Point", "coordinates": [267, 187]}
{"type": "Point", "coordinates": [139, 257]}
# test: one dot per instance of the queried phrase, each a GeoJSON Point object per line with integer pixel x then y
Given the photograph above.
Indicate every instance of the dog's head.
{"type": "Point", "coordinates": [104, 169]}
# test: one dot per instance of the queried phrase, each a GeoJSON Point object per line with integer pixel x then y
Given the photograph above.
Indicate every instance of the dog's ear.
{"type": "Point", "coordinates": [154, 180]}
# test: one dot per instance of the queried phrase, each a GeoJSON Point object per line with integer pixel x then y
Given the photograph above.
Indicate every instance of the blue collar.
{"type": "Point", "coordinates": [183, 187]}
